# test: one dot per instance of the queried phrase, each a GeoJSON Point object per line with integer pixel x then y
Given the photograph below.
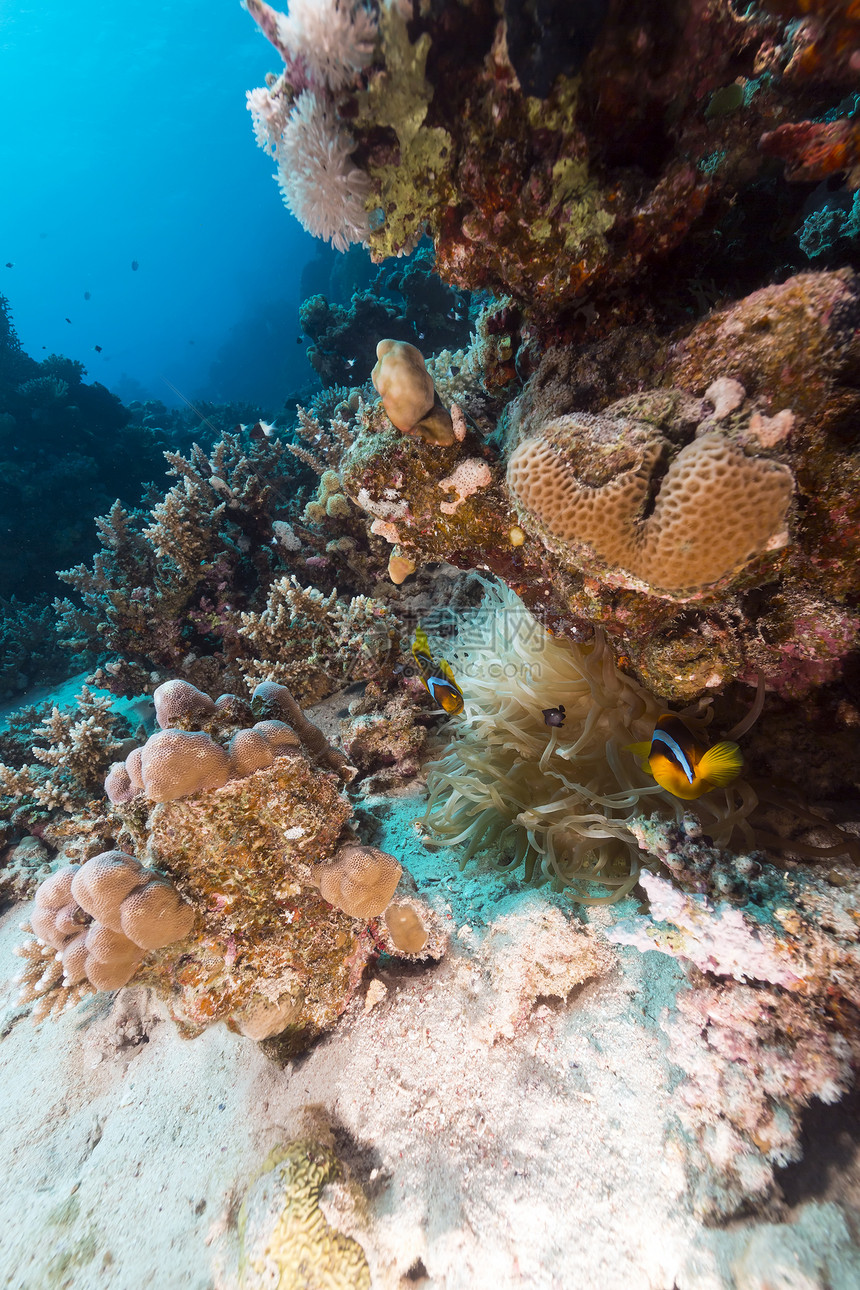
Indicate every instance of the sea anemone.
{"type": "Point", "coordinates": [559, 801]}
{"type": "Point", "coordinates": [320, 183]}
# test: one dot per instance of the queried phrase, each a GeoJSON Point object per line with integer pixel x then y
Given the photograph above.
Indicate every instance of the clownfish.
{"type": "Point", "coordinates": [682, 765]}
{"type": "Point", "coordinates": [437, 677]}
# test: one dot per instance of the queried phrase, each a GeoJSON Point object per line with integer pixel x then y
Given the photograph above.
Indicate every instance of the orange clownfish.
{"type": "Point", "coordinates": [682, 765]}
{"type": "Point", "coordinates": [437, 677]}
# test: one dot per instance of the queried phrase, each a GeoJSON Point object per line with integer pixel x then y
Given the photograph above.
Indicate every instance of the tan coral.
{"type": "Point", "coordinates": [133, 909]}
{"type": "Point", "coordinates": [406, 928]}
{"type": "Point", "coordinates": [249, 750]}
{"type": "Point", "coordinates": [177, 763]}
{"type": "Point", "coordinates": [156, 915]}
{"type": "Point", "coordinates": [408, 393]}
{"type": "Point", "coordinates": [101, 885]}
{"type": "Point", "coordinates": [133, 768]}
{"type": "Point", "coordinates": [176, 699]}
{"type": "Point", "coordinates": [717, 509]}
{"type": "Point", "coordinates": [55, 918]}
{"type": "Point", "coordinates": [278, 736]}
{"type": "Point", "coordinates": [360, 880]}
{"type": "Point", "coordinates": [118, 785]}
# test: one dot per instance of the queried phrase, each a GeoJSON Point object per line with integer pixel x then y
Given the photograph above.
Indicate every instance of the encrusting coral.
{"type": "Point", "coordinates": [240, 893]}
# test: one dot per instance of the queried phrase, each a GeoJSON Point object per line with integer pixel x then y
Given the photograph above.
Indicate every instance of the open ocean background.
{"type": "Point", "coordinates": [125, 138]}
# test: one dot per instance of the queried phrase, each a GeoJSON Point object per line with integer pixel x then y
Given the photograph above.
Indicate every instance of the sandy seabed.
{"type": "Point", "coordinates": [502, 1135]}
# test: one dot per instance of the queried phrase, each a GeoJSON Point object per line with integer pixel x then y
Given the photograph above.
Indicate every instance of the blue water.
{"type": "Point", "coordinates": [124, 137]}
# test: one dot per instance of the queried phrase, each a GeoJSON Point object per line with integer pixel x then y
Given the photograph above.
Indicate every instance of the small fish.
{"type": "Point", "coordinates": [554, 716]}
{"type": "Point", "coordinates": [9, 264]}
{"type": "Point", "coordinates": [87, 295]}
{"type": "Point", "coordinates": [438, 678]}
{"type": "Point", "coordinates": [97, 348]}
{"type": "Point", "coordinates": [682, 765]}
{"type": "Point", "coordinates": [300, 340]}
{"type": "Point", "coordinates": [68, 320]}
{"type": "Point", "coordinates": [134, 266]}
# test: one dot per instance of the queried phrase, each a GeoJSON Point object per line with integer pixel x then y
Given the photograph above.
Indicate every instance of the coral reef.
{"type": "Point", "coordinates": [770, 1020]}
{"type": "Point", "coordinates": [384, 738]}
{"type": "Point", "coordinates": [558, 801]}
{"type": "Point", "coordinates": [67, 451]}
{"type": "Point", "coordinates": [165, 593]}
{"type": "Point", "coordinates": [662, 514]}
{"type": "Point", "coordinates": [549, 158]}
{"type": "Point", "coordinates": [239, 893]}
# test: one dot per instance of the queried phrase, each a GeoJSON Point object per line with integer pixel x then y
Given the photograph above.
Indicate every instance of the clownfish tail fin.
{"type": "Point", "coordinates": [721, 764]}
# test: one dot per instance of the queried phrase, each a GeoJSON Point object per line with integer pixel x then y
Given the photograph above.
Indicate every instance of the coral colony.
{"type": "Point", "coordinates": [587, 470]}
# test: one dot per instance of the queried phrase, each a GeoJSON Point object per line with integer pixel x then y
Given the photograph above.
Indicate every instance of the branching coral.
{"type": "Point", "coordinates": [74, 748]}
{"type": "Point", "coordinates": [315, 643]}
{"type": "Point", "coordinates": [559, 801]}
{"type": "Point", "coordinates": [164, 591]}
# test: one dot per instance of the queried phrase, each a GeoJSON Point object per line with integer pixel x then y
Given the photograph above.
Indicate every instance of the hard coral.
{"type": "Point", "coordinates": [717, 509]}
{"type": "Point", "coordinates": [561, 802]}
{"type": "Point", "coordinates": [101, 918]}
{"type": "Point", "coordinates": [232, 872]}
{"type": "Point", "coordinates": [408, 394]}
{"type": "Point", "coordinates": [359, 880]}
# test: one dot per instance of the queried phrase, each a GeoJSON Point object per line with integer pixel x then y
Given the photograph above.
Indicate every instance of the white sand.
{"type": "Point", "coordinates": [539, 1160]}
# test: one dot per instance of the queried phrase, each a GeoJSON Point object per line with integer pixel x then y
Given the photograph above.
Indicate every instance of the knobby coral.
{"type": "Point", "coordinates": [240, 894]}
{"type": "Point", "coordinates": [717, 509]}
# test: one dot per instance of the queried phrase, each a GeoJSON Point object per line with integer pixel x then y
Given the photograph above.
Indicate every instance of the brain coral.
{"type": "Point", "coordinates": [716, 509]}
